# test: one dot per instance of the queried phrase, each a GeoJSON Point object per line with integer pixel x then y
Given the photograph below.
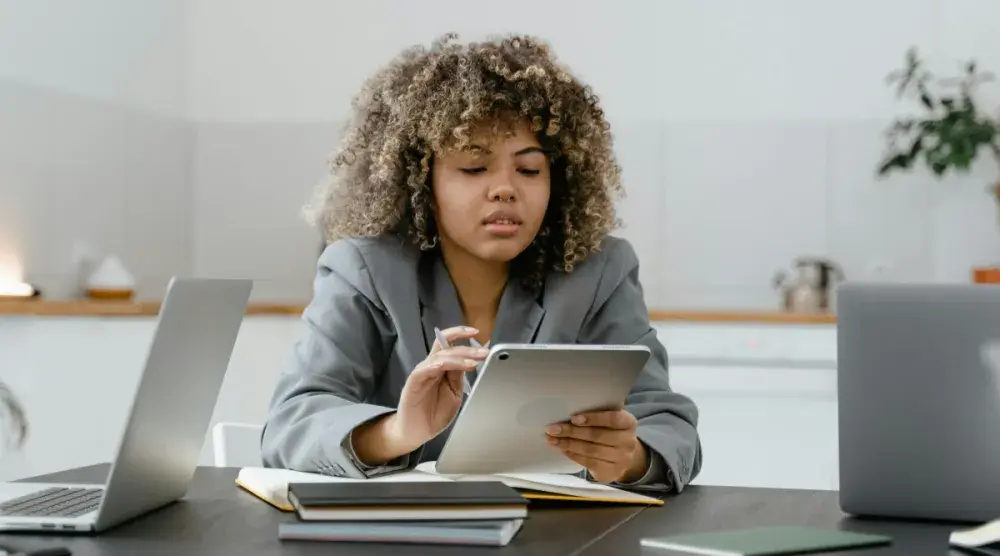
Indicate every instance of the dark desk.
{"type": "Point", "coordinates": [717, 508]}
{"type": "Point", "coordinates": [218, 518]}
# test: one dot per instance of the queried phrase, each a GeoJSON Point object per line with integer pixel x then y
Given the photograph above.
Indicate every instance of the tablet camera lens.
{"type": "Point", "coordinates": [504, 356]}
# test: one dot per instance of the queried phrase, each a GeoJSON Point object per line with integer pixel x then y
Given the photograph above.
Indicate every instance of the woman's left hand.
{"type": "Point", "coordinates": [604, 442]}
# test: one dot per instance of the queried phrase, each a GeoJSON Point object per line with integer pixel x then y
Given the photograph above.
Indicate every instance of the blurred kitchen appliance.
{"type": "Point", "coordinates": [811, 287]}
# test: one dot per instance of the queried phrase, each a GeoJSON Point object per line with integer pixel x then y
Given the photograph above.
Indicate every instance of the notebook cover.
{"type": "Point", "coordinates": [486, 533]}
{"type": "Point", "coordinates": [383, 494]}
{"type": "Point", "coordinates": [767, 541]}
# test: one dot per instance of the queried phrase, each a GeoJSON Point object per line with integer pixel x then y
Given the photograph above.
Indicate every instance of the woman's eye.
{"type": "Point", "coordinates": [474, 170]}
{"type": "Point", "coordinates": [528, 172]}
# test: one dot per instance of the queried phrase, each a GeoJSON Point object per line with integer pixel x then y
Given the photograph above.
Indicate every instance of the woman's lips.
{"type": "Point", "coordinates": [503, 228]}
{"type": "Point", "coordinates": [502, 223]}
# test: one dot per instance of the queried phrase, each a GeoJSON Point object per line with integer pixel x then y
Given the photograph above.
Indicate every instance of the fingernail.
{"type": "Point", "coordinates": [482, 351]}
{"type": "Point", "coordinates": [578, 419]}
{"type": "Point", "coordinates": [471, 329]}
{"type": "Point", "coordinates": [471, 362]}
{"type": "Point", "coordinates": [553, 441]}
{"type": "Point", "coordinates": [554, 429]}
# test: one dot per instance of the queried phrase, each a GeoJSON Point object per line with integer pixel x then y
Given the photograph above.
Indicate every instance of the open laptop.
{"type": "Point", "coordinates": [919, 400]}
{"type": "Point", "coordinates": [167, 423]}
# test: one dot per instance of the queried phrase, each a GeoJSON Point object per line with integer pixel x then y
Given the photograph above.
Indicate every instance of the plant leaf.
{"type": "Point", "coordinates": [925, 99]}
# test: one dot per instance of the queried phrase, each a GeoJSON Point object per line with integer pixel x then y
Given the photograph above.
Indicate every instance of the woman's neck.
{"type": "Point", "coordinates": [479, 285]}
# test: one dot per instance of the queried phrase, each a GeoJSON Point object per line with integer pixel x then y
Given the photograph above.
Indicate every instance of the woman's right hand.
{"type": "Point", "coordinates": [432, 394]}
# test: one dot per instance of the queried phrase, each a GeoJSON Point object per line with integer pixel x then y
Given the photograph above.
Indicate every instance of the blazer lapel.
{"type": "Point", "coordinates": [439, 306]}
{"type": "Point", "coordinates": [519, 316]}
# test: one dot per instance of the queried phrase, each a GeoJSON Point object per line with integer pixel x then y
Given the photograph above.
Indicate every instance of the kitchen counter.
{"type": "Point", "coordinates": [86, 308]}
{"type": "Point", "coordinates": [90, 308]}
{"type": "Point", "coordinates": [762, 316]}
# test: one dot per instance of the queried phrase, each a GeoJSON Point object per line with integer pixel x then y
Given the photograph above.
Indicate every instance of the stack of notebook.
{"type": "Point", "coordinates": [479, 513]}
{"type": "Point", "coordinates": [490, 508]}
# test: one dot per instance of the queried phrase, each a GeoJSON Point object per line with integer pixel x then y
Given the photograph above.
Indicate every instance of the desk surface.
{"type": "Point", "coordinates": [719, 508]}
{"type": "Point", "coordinates": [219, 518]}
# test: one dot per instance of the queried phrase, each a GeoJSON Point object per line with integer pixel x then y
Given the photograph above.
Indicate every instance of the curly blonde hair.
{"type": "Point", "coordinates": [431, 99]}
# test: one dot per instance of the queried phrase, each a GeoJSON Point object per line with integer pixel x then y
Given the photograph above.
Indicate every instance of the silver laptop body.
{"type": "Point", "coordinates": [158, 453]}
{"type": "Point", "coordinates": [919, 400]}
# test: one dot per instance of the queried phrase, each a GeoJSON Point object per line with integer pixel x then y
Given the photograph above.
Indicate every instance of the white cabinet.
{"type": "Point", "coordinates": [767, 398]}
{"type": "Point", "coordinates": [783, 437]}
{"type": "Point", "coordinates": [76, 377]}
{"type": "Point", "coordinates": [767, 394]}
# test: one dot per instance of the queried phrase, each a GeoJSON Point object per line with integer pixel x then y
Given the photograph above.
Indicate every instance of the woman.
{"type": "Point", "coordinates": [473, 192]}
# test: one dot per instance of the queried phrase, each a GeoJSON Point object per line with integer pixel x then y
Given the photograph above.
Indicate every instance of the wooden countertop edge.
{"type": "Point", "coordinates": [86, 308]}
{"type": "Point", "coordinates": [753, 317]}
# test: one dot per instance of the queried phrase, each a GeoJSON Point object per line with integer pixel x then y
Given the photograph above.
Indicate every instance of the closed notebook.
{"type": "Point", "coordinates": [766, 541]}
{"type": "Point", "coordinates": [481, 533]}
{"type": "Point", "coordinates": [375, 501]}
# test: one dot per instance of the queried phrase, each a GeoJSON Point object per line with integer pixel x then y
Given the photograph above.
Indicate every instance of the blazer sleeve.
{"type": "Point", "coordinates": [336, 364]}
{"type": "Point", "coordinates": [667, 419]}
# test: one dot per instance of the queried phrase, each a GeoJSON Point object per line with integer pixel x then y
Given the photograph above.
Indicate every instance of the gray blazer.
{"type": "Point", "coordinates": [376, 303]}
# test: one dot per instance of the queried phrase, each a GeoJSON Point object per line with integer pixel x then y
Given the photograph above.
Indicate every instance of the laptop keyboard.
{"type": "Point", "coordinates": [54, 502]}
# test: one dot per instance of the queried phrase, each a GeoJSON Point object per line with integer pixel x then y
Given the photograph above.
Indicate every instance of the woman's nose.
{"type": "Point", "coordinates": [503, 189]}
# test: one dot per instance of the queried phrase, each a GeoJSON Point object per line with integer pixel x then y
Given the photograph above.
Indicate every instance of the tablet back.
{"type": "Point", "coordinates": [521, 389]}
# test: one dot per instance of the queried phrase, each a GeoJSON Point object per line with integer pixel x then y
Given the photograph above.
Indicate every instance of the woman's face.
{"type": "Point", "coordinates": [491, 199]}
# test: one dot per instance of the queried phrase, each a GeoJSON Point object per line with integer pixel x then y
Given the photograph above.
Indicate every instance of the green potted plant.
{"type": "Point", "coordinates": [949, 135]}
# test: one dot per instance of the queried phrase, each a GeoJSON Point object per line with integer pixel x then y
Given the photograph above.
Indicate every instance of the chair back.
{"type": "Point", "coordinates": [237, 444]}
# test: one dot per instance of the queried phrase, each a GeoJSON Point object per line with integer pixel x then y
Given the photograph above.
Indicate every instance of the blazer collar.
{"type": "Point", "coordinates": [518, 316]}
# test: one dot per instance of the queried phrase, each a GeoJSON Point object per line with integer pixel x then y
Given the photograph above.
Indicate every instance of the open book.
{"type": "Point", "coordinates": [271, 485]}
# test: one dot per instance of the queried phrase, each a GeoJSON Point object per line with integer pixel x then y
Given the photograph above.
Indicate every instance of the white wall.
{"type": "Point", "coordinates": [95, 155]}
{"type": "Point", "coordinates": [673, 60]}
{"type": "Point", "coordinates": [186, 135]}
{"type": "Point", "coordinates": [761, 117]}
{"type": "Point", "coordinates": [127, 52]}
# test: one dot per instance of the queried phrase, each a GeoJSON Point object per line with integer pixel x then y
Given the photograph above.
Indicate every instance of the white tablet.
{"type": "Point", "coordinates": [523, 388]}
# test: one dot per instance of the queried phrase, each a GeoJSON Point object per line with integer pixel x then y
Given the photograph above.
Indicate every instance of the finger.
{"type": "Point", "coordinates": [616, 419]}
{"type": "Point", "coordinates": [597, 435]}
{"type": "Point", "coordinates": [582, 448]}
{"type": "Point", "coordinates": [600, 471]}
{"type": "Point", "coordinates": [440, 364]}
{"type": "Point", "coordinates": [454, 333]}
{"type": "Point", "coordinates": [466, 352]}
{"type": "Point", "coordinates": [455, 381]}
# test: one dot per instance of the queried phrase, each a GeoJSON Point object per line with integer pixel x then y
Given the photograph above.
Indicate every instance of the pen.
{"type": "Point", "coordinates": [444, 344]}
